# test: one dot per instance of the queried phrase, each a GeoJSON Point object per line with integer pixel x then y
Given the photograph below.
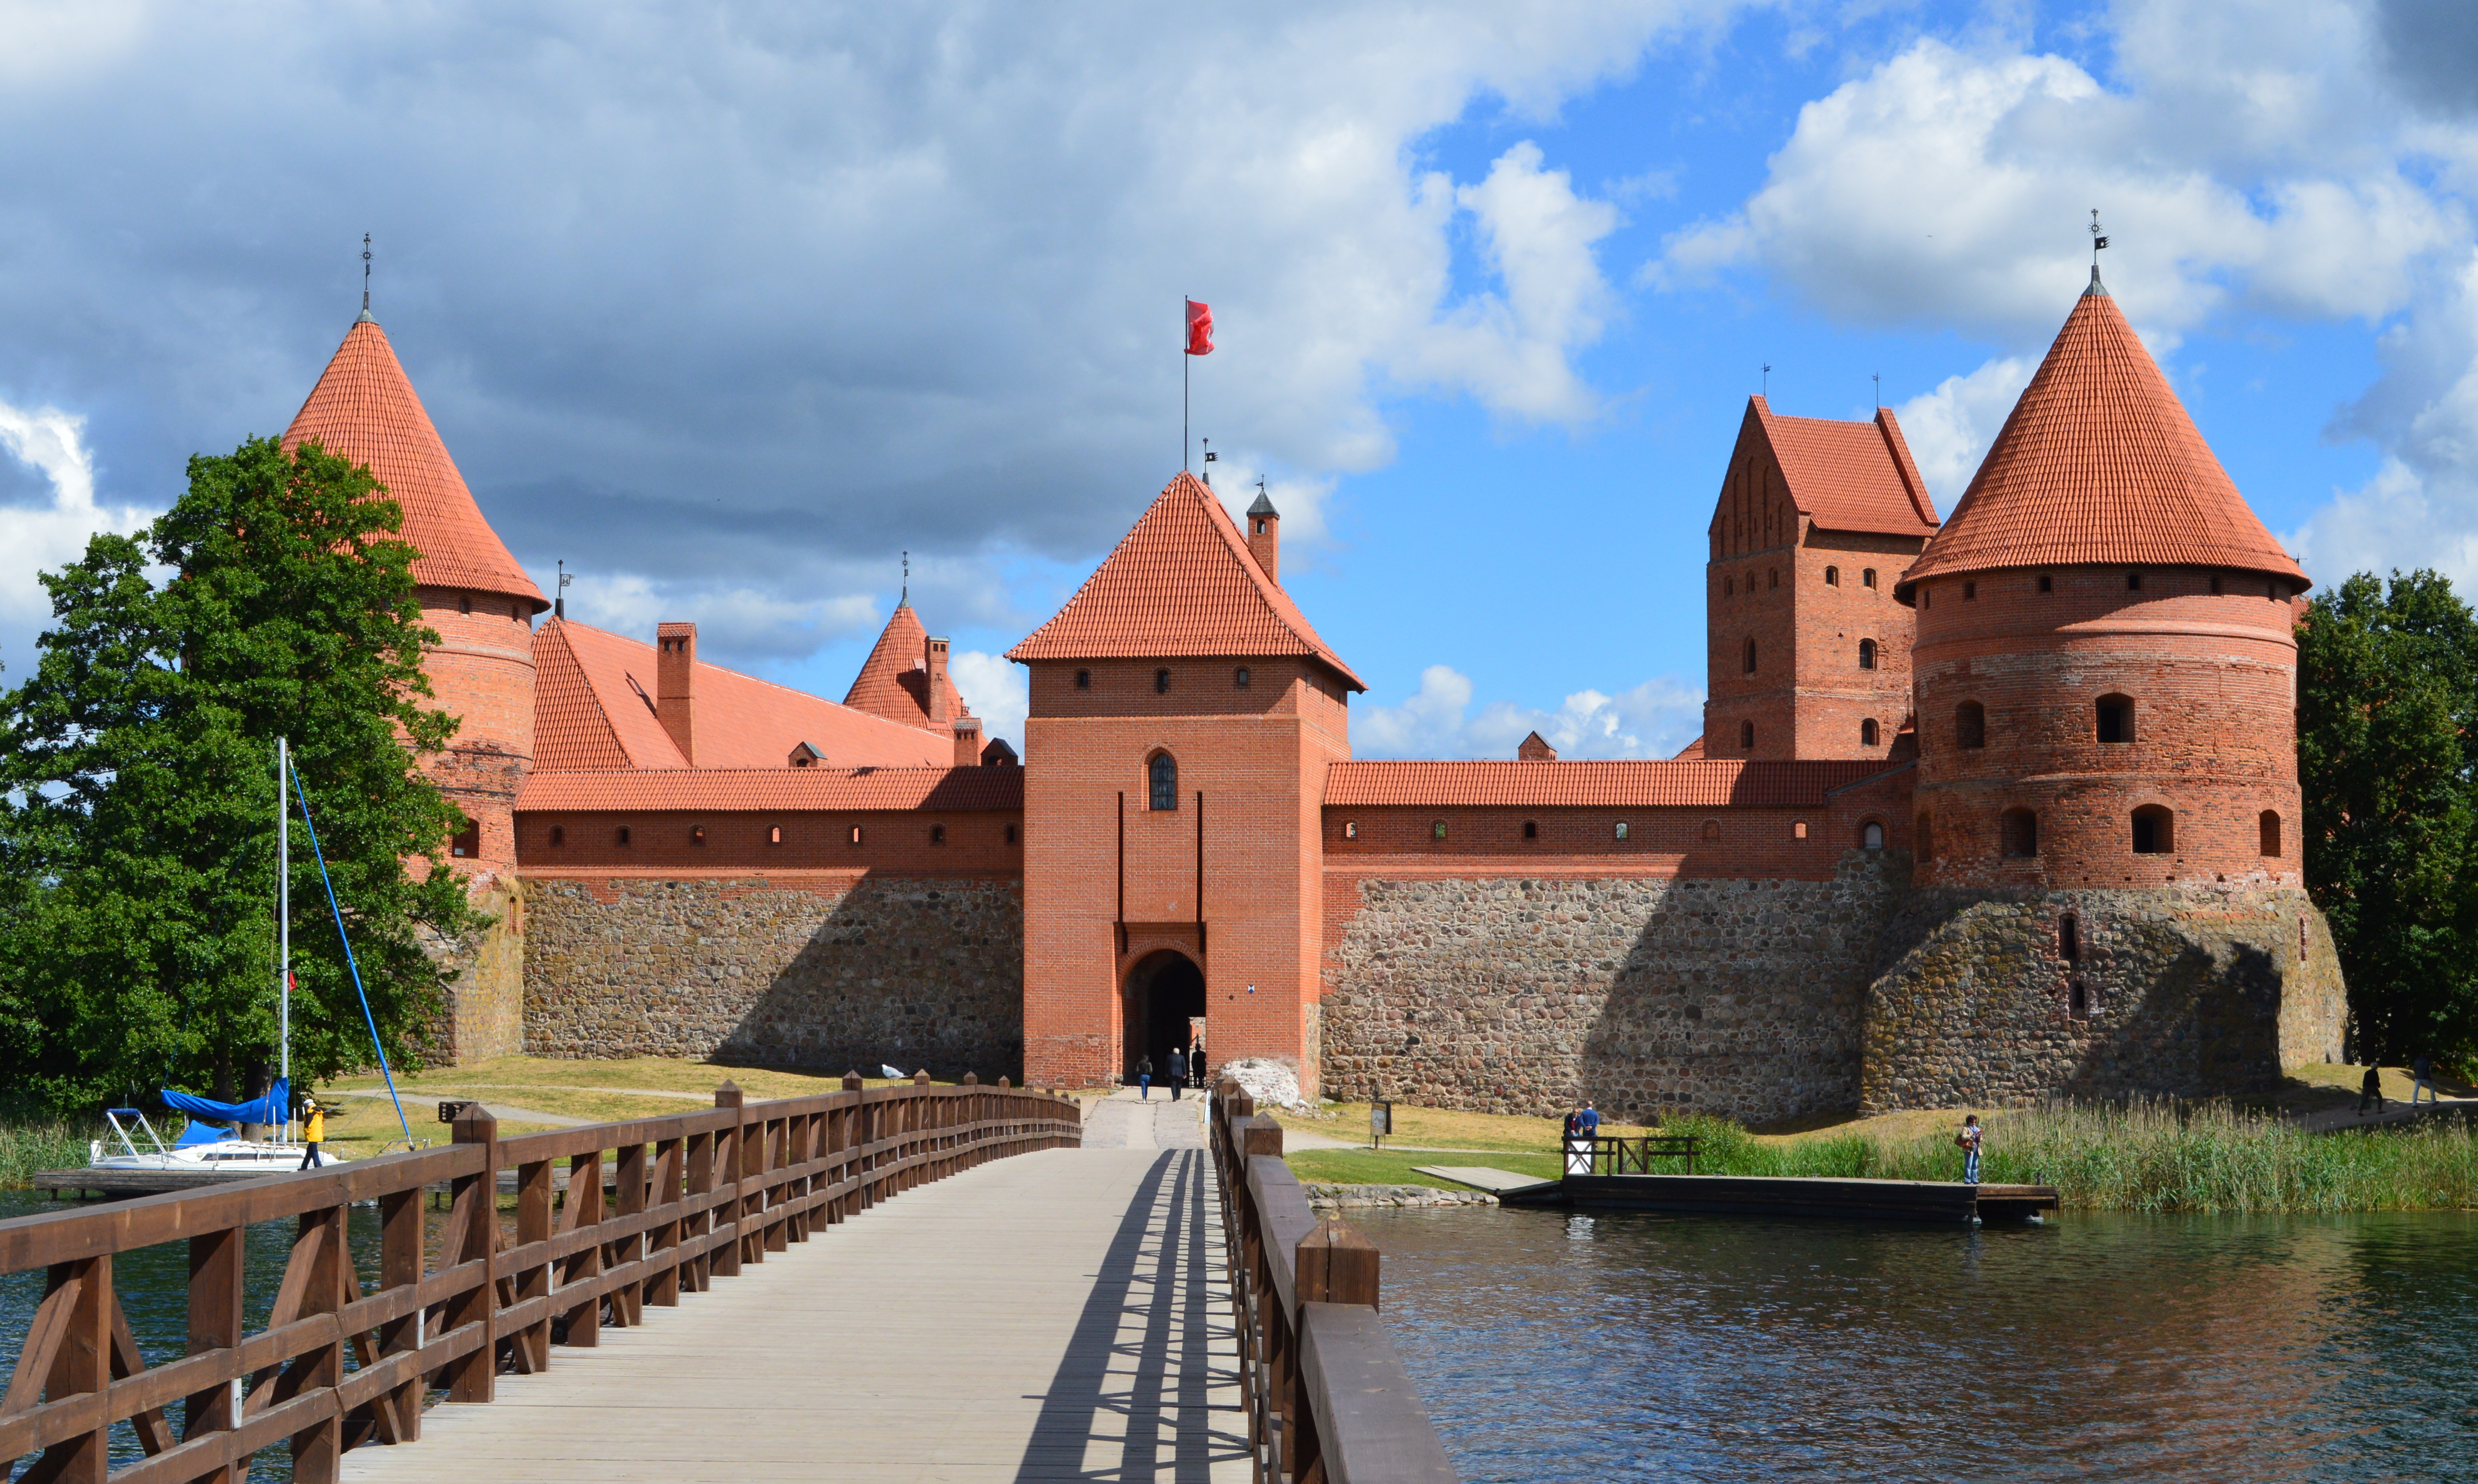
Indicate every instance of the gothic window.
{"type": "Point", "coordinates": [1970, 725]}
{"type": "Point", "coordinates": [2116, 718]}
{"type": "Point", "coordinates": [468, 840]}
{"type": "Point", "coordinates": [465, 604]}
{"type": "Point", "coordinates": [2155, 830]}
{"type": "Point", "coordinates": [774, 835]}
{"type": "Point", "coordinates": [1832, 577]}
{"type": "Point", "coordinates": [1871, 836]}
{"type": "Point", "coordinates": [1867, 733]}
{"type": "Point", "coordinates": [2019, 830]}
{"type": "Point", "coordinates": [1747, 657]}
{"type": "Point", "coordinates": [1161, 776]}
{"type": "Point", "coordinates": [1747, 735]}
{"type": "Point", "coordinates": [2271, 825]}
{"type": "Point", "coordinates": [1866, 654]}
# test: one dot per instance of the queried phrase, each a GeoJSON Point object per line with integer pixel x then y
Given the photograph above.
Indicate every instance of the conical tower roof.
{"type": "Point", "coordinates": [2099, 463]}
{"type": "Point", "coordinates": [365, 409]}
{"type": "Point", "coordinates": [1182, 583]}
{"type": "Point", "coordinates": [895, 682]}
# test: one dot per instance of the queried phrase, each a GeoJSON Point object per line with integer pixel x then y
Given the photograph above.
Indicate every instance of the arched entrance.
{"type": "Point", "coordinates": [1164, 991]}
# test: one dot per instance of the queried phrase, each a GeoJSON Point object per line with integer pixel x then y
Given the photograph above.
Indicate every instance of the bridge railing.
{"type": "Point", "coordinates": [1327, 1398]}
{"type": "Point", "coordinates": [690, 1197]}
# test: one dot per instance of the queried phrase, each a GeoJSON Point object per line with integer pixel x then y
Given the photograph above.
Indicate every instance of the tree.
{"type": "Point", "coordinates": [2387, 757]}
{"type": "Point", "coordinates": [137, 922]}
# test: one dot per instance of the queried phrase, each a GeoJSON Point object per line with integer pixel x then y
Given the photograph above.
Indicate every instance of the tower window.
{"type": "Point", "coordinates": [1437, 830]}
{"type": "Point", "coordinates": [1010, 834]}
{"type": "Point", "coordinates": [465, 604]}
{"type": "Point", "coordinates": [2047, 584]}
{"type": "Point", "coordinates": [1621, 829]}
{"type": "Point", "coordinates": [1868, 577]}
{"type": "Point", "coordinates": [2155, 830]}
{"type": "Point", "coordinates": [1970, 592]}
{"type": "Point", "coordinates": [937, 834]}
{"type": "Point", "coordinates": [2270, 826]}
{"type": "Point", "coordinates": [1161, 776]}
{"type": "Point", "coordinates": [2133, 582]}
{"type": "Point", "coordinates": [774, 833]}
{"type": "Point", "coordinates": [1241, 678]}
{"type": "Point", "coordinates": [1747, 657]}
{"type": "Point", "coordinates": [856, 834]}
{"type": "Point", "coordinates": [1747, 735]}
{"type": "Point", "coordinates": [1729, 587]}
{"type": "Point", "coordinates": [1162, 681]}
{"type": "Point", "coordinates": [1867, 732]}
{"type": "Point", "coordinates": [1350, 829]}
{"type": "Point", "coordinates": [2215, 584]}
{"type": "Point", "coordinates": [1532, 829]}
{"type": "Point", "coordinates": [1866, 654]}
{"type": "Point", "coordinates": [558, 835]}
{"type": "Point", "coordinates": [1832, 577]}
{"type": "Point", "coordinates": [696, 834]}
{"type": "Point", "coordinates": [2116, 719]}
{"type": "Point", "coordinates": [1083, 680]}
{"type": "Point", "coordinates": [1871, 836]}
{"type": "Point", "coordinates": [2069, 939]}
{"type": "Point", "coordinates": [1970, 725]}
{"type": "Point", "coordinates": [2019, 831]}
{"type": "Point", "coordinates": [2077, 1001]}
{"type": "Point", "coordinates": [1798, 829]}
{"type": "Point", "coordinates": [624, 834]}
{"type": "Point", "coordinates": [1772, 577]}
{"type": "Point", "coordinates": [468, 840]}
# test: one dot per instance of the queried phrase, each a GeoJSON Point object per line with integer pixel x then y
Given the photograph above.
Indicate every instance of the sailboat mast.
{"type": "Point", "coordinates": [284, 915]}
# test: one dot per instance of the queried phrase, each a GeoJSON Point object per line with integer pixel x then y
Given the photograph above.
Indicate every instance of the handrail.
{"type": "Point", "coordinates": [697, 1194]}
{"type": "Point", "coordinates": [1327, 1399]}
{"type": "Point", "coordinates": [1610, 1154]}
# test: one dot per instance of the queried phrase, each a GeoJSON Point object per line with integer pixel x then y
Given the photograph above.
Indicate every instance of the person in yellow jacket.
{"type": "Point", "coordinates": [313, 1128]}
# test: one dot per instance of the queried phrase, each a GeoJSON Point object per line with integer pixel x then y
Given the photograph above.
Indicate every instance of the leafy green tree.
{"type": "Point", "coordinates": [138, 915]}
{"type": "Point", "coordinates": [2387, 757]}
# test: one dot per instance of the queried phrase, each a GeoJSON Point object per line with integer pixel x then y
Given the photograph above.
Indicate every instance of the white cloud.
{"type": "Point", "coordinates": [999, 691]}
{"type": "Point", "coordinates": [1949, 429]}
{"type": "Point", "coordinates": [736, 620]}
{"type": "Point", "coordinates": [46, 537]}
{"type": "Point", "coordinates": [1652, 720]}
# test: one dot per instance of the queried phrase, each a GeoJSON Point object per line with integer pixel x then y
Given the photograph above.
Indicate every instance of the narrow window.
{"type": "Point", "coordinates": [1747, 735]}
{"type": "Point", "coordinates": [2047, 584]}
{"type": "Point", "coordinates": [1621, 829]}
{"type": "Point", "coordinates": [2215, 584]}
{"type": "Point", "coordinates": [2078, 1000]}
{"type": "Point", "coordinates": [558, 835]}
{"type": "Point", "coordinates": [2301, 938]}
{"type": "Point", "coordinates": [1729, 587]}
{"type": "Point", "coordinates": [2069, 939]}
{"type": "Point", "coordinates": [2270, 825]}
{"type": "Point", "coordinates": [1241, 678]}
{"type": "Point", "coordinates": [1161, 775]}
{"type": "Point", "coordinates": [1866, 654]}
{"type": "Point", "coordinates": [1970, 592]}
{"type": "Point", "coordinates": [1970, 725]}
{"type": "Point", "coordinates": [624, 834]}
{"type": "Point", "coordinates": [2133, 582]}
{"type": "Point", "coordinates": [696, 834]}
{"type": "Point", "coordinates": [856, 835]}
{"type": "Point", "coordinates": [1437, 830]}
{"type": "Point", "coordinates": [1747, 657]}
{"type": "Point", "coordinates": [1871, 836]}
{"type": "Point", "coordinates": [1350, 829]}
{"type": "Point", "coordinates": [2155, 830]}
{"type": "Point", "coordinates": [937, 834]}
{"type": "Point", "coordinates": [1832, 577]}
{"type": "Point", "coordinates": [1926, 597]}
{"type": "Point", "coordinates": [1867, 578]}
{"type": "Point", "coordinates": [2116, 719]}
{"type": "Point", "coordinates": [468, 840]}
{"type": "Point", "coordinates": [1083, 680]}
{"type": "Point", "coordinates": [465, 604]}
{"type": "Point", "coordinates": [1161, 682]}
{"type": "Point", "coordinates": [1261, 528]}
{"type": "Point", "coordinates": [1772, 577]}
{"type": "Point", "coordinates": [1532, 829]}
{"type": "Point", "coordinates": [1798, 830]}
{"type": "Point", "coordinates": [1867, 733]}
{"type": "Point", "coordinates": [2019, 830]}
{"type": "Point", "coordinates": [774, 835]}
{"type": "Point", "coordinates": [1010, 834]}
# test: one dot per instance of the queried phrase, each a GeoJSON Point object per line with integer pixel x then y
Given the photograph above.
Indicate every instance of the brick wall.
{"type": "Point", "coordinates": [902, 842]}
{"type": "Point", "coordinates": [828, 971]}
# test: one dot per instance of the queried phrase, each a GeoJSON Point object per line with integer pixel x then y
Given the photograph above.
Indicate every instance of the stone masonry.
{"type": "Point", "coordinates": [1650, 995]}
{"type": "Point", "coordinates": [912, 971]}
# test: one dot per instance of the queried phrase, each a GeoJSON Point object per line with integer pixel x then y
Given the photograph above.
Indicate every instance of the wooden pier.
{"type": "Point", "coordinates": [1873, 1200]}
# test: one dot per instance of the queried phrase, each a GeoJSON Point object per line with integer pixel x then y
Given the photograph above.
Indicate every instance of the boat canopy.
{"type": "Point", "coordinates": [275, 1107]}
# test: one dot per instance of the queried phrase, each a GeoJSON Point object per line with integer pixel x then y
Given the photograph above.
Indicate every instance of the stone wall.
{"type": "Point", "coordinates": [2192, 991]}
{"type": "Point", "coordinates": [832, 975]}
{"type": "Point", "coordinates": [1647, 995]}
{"type": "Point", "coordinates": [482, 1009]}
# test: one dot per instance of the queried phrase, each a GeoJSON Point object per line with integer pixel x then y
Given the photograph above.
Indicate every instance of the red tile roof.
{"type": "Point", "coordinates": [365, 409]}
{"type": "Point", "coordinates": [895, 682]}
{"type": "Point", "coordinates": [1849, 476]}
{"type": "Point", "coordinates": [1692, 752]}
{"type": "Point", "coordinates": [721, 789]}
{"type": "Point", "coordinates": [1182, 583]}
{"type": "Point", "coordinates": [2100, 463]}
{"type": "Point", "coordinates": [594, 708]}
{"type": "Point", "coordinates": [1618, 785]}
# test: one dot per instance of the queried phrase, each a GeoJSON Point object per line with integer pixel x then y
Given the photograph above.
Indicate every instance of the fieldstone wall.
{"type": "Point", "coordinates": [1520, 995]}
{"type": "Point", "coordinates": [2190, 991]}
{"type": "Point", "coordinates": [482, 1014]}
{"type": "Point", "coordinates": [912, 971]}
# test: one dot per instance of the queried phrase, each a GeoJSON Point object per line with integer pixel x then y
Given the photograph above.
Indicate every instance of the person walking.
{"type": "Point", "coordinates": [1969, 1140]}
{"type": "Point", "coordinates": [1196, 1061]}
{"type": "Point", "coordinates": [1178, 1070]}
{"type": "Point", "coordinates": [1145, 1079]}
{"type": "Point", "coordinates": [2422, 1075]}
{"type": "Point", "coordinates": [2370, 1089]}
{"type": "Point", "coordinates": [313, 1132]}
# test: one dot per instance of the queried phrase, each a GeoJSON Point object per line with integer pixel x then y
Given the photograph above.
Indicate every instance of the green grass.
{"type": "Point", "coordinates": [26, 1147]}
{"type": "Point", "coordinates": [1388, 1167]}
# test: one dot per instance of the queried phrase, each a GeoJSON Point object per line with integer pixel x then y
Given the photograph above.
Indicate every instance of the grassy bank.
{"type": "Point", "coordinates": [26, 1147]}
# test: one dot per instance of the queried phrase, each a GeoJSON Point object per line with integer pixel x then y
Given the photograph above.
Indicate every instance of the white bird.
{"type": "Point", "coordinates": [885, 1070]}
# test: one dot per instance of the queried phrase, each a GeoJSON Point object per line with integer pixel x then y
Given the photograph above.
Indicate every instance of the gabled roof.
{"type": "Point", "coordinates": [1182, 583]}
{"type": "Point", "coordinates": [895, 682]}
{"type": "Point", "coordinates": [786, 788]}
{"type": "Point", "coordinates": [1847, 476]}
{"type": "Point", "coordinates": [595, 710]}
{"type": "Point", "coordinates": [2099, 463]}
{"type": "Point", "coordinates": [365, 409]}
{"type": "Point", "coordinates": [1611, 785]}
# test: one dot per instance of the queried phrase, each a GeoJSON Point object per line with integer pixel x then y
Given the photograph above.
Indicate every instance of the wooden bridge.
{"type": "Point", "coordinates": [923, 1282]}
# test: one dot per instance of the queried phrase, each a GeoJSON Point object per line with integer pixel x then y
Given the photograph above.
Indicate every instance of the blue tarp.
{"type": "Point", "coordinates": [274, 1108]}
{"type": "Point", "coordinates": [198, 1133]}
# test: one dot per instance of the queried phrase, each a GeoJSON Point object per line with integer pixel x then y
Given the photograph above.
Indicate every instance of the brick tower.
{"type": "Point", "coordinates": [2106, 801]}
{"type": "Point", "coordinates": [482, 605]}
{"type": "Point", "coordinates": [1183, 713]}
{"type": "Point", "coordinates": [1810, 654]}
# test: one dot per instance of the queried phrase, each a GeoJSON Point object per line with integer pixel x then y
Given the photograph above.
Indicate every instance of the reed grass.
{"type": "Point", "coordinates": [2143, 1156]}
{"type": "Point", "coordinates": [27, 1148]}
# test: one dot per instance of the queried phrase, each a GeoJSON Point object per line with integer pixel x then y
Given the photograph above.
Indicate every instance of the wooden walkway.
{"type": "Point", "coordinates": [1056, 1315]}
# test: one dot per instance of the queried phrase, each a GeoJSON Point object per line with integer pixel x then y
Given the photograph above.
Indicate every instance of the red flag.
{"type": "Point", "coordinates": [1199, 329]}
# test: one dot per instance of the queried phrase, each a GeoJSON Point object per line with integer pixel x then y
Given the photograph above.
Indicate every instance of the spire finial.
{"type": "Point", "coordinates": [1768, 391]}
{"type": "Point", "coordinates": [366, 282]}
{"type": "Point", "coordinates": [2099, 240]}
{"type": "Point", "coordinates": [559, 598]}
{"type": "Point", "coordinates": [905, 601]}
{"type": "Point", "coordinates": [1877, 377]}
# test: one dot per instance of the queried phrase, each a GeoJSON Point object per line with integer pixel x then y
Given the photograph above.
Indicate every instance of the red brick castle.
{"type": "Point", "coordinates": [1985, 809]}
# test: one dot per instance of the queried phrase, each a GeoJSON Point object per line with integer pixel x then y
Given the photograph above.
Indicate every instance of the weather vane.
{"type": "Point", "coordinates": [1209, 457]}
{"type": "Point", "coordinates": [559, 599]}
{"type": "Point", "coordinates": [366, 275]}
{"type": "Point", "coordinates": [2099, 237]}
{"type": "Point", "coordinates": [1877, 377]}
{"type": "Point", "coordinates": [1768, 379]}
{"type": "Point", "coordinates": [905, 601]}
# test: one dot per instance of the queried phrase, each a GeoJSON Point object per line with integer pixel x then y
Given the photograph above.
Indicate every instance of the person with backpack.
{"type": "Point", "coordinates": [1145, 1079]}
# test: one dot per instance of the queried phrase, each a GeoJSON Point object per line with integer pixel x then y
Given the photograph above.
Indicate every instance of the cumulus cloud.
{"type": "Point", "coordinates": [46, 528]}
{"type": "Point", "coordinates": [1950, 428]}
{"type": "Point", "coordinates": [997, 689]}
{"type": "Point", "coordinates": [1652, 719]}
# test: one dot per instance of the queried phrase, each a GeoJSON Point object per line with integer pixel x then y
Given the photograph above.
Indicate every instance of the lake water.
{"type": "Point", "coordinates": [1557, 1346]}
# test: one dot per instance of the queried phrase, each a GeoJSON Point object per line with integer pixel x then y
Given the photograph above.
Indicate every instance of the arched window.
{"type": "Point", "coordinates": [1866, 654]}
{"type": "Point", "coordinates": [465, 604]}
{"type": "Point", "coordinates": [2077, 1000]}
{"type": "Point", "coordinates": [1871, 836]}
{"type": "Point", "coordinates": [856, 834]}
{"type": "Point", "coordinates": [1010, 834]}
{"type": "Point", "coordinates": [1832, 577]}
{"type": "Point", "coordinates": [1867, 733]}
{"type": "Point", "coordinates": [2069, 939]}
{"type": "Point", "coordinates": [2019, 830]}
{"type": "Point", "coordinates": [2115, 714]}
{"type": "Point", "coordinates": [2155, 830]}
{"type": "Point", "coordinates": [1621, 829]}
{"type": "Point", "coordinates": [2271, 825]}
{"type": "Point", "coordinates": [1747, 657]}
{"type": "Point", "coordinates": [1747, 735]}
{"type": "Point", "coordinates": [774, 835]}
{"type": "Point", "coordinates": [1161, 777]}
{"type": "Point", "coordinates": [1970, 725]}
{"type": "Point", "coordinates": [468, 840]}
{"type": "Point", "coordinates": [1867, 578]}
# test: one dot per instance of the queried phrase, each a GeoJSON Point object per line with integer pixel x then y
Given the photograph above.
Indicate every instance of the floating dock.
{"type": "Point", "coordinates": [1872, 1200]}
{"type": "Point", "coordinates": [90, 1182]}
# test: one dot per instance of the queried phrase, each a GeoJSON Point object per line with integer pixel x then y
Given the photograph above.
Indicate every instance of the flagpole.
{"type": "Point", "coordinates": [1183, 359]}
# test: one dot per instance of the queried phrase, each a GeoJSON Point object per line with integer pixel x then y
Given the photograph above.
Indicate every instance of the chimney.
{"type": "Point", "coordinates": [675, 684]}
{"type": "Point", "coordinates": [968, 742]}
{"type": "Point", "coordinates": [1265, 537]}
{"type": "Point", "coordinates": [936, 699]}
{"type": "Point", "coordinates": [1535, 749]}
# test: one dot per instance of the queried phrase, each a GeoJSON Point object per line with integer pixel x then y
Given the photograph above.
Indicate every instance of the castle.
{"type": "Point", "coordinates": [1985, 809]}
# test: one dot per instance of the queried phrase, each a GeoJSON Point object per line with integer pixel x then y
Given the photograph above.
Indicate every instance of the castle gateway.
{"type": "Point", "coordinates": [1985, 809]}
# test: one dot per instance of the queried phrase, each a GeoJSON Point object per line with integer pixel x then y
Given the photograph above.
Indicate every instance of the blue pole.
{"type": "Point", "coordinates": [303, 795]}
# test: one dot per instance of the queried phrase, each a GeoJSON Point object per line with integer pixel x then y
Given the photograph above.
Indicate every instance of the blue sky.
{"type": "Point", "coordinates": [727, 306]}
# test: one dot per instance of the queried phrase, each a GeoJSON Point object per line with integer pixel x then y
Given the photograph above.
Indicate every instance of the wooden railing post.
{"type": "Point", "coordinates": [700, 1182]}
{"type": "Point", "coordinates": [474, 1220]}
{"type": "Point", "coordinates": [1336, 1264]}
{"type": "Point", "coordinates": [726, 1157]}
{"type": "Point", "coordinates": [400, 1224]}
{"type": "Point", "coordinates": [216, 1285]}
{"type": "Point", "coordinates": [669, 1170]}
{"type": "Point", "coordinates": [628, 1302]}
{"type": "Point", "coordinates": [68, 1352]}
